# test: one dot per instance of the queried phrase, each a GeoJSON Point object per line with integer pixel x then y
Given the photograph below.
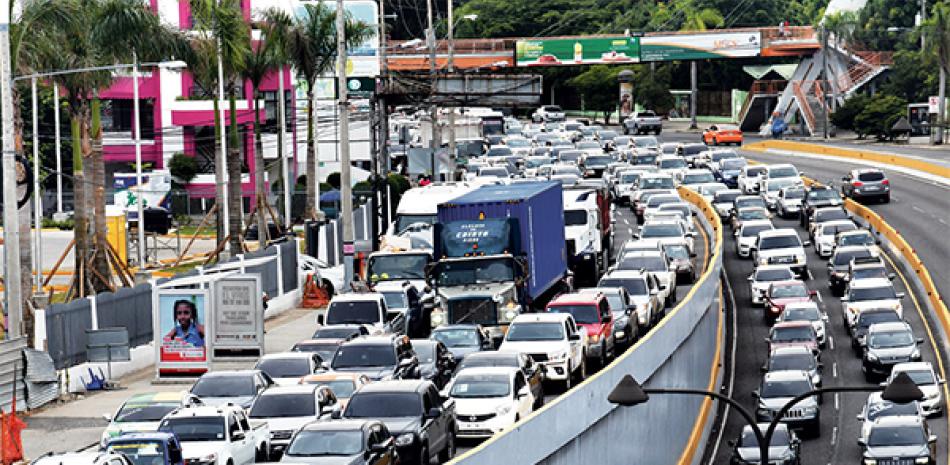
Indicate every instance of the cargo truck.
{"type": "Point", "coordinates": [500, 251]}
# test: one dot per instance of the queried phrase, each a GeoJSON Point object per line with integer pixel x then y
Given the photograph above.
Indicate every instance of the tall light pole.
{"type": "Point", "coordinates": [346, 189]}
{"type": "Point", "coordinates": [11, 234]}
{"type": "Point", "coordinates": [59, 146]}
{"type": "Point", "coordinates": [451, 69]}
{"type": "Point", "coordinates": [221, 157]}
{"type": "Point", "coordinates": [37, 196]}
{"type": "Point", "coordinates": [137, 137]}
{"type": "Point", "coordinates": [436, 141]}
{"type": "Point", "coordinates": [284, 158]}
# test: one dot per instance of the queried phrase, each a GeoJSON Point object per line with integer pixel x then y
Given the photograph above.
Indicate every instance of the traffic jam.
{"type": "Point", "coordinates": [560, 246]}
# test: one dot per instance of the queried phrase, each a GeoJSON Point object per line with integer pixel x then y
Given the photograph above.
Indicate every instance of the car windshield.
{"type": "Point", "coordinates": [384, 405]}
{"type": "Point", "coordinates": [457, 337]}
{"type": "Point", "coordinates": [886, 408]}
{"type": "Point", "coordinates": [856, 239]}
{"type": "Point", "coordinates": [696, 178]}
{"type": "Point", "coordinates": [800, 361]}
{"type": "Point", "coordinates": [536, 162]}
{"type": "Point", "coordinates": [324, 349]}
{"type": "Point", "coordinates": [634, 286]}
{"type": "Point", "coordinates": [753, 214]}
{"type": "Point", "coordinates": [890, 339]}
{"type": "Point", "coordinates": [921, 377]}
{"type": "Point", "coordinates": [792, 333]}
{"type": "Point", "coordinates": [797, 193]}
{"type": "Point", "coordinates": [801, 314]}
{"type": "Point", "coordinates": [493, 172]}
{"type": "Point", "coordinates": [754, 171]}
{"type": "Point", "coordinates": [775, 274]}
{"type": "Point", "coordinates": [656, 183]}
{"type": "Point", "coordinates": [871, 176]}
{"type": "Point", "coordinates": [657, 200]}
{"type": "Point", "coordinates": [895, 436]}
{"type": "Point", "coordinates": [868, 318]}
{"type": "Point", "coordinates": [143, 452]}
{"type": "Point", "coordinates": [224, 386]}
{"type": "Point", "coordinates": [493, 359]}
{"type": "Point", "coordinates": [645, 142]}
{"type": "Point", "coordinates": [645, 159]}
{"type": "Point", "coordinates": [317, 443]}
{"type": "Point", "coordinates": [598, 160]}
{"type": "Point", "coordinates": [843, 258]}
{"type": "Point", "coordinates": [672, 163]}
{"type": "Point", "coordinates": [867, 273]}
{"type": "Point", "coordinates": [364, 355]}
{"type": "Point", "coordinates": [782, 172]}
{"type": "Point", "coordinates": [629, 178]}
{"type": "Point", "coordinates": [353, 312]}
{"type": "Point", "coordinates": [284, 367]}
{"type": "Point", "coordinates": [425, 350]}
{"type": "Point", "coordinates": [284, 405]}
{"type": "Point", "coordinates": [189, 429]}
{"type": "Point", "coordinates": [467, 272]}
{"type": "Point", "coordinates": [342, 388]}
{"type": "Point", "coordinates": [136, 412]}
{"type": "Point", "coordinates": [395, 300]}
{"type": "Point", "coordinates": [789, 290]}
{"type": "Point", "coordinates": [535, 332]}
{"type": "Point", "coordinates": [872, 293]}
{"type": "Point", "coordinates": [498, 152]}
{"type": "Point", "coordinates": [832, 229]}
{"type": "Point", "coordinates": [677, 252]}
{"type": "Point", "coordinates": [790, 388]}
{"type": "Point", "coordinates": [779, 438]}
{"type": "Point", "coordinates": [404, 221]}
{"type": "Point", "coordinates": [693, 149]}
{"type": "Point", "coordinates": [517, 143]}
{"type": "Point", "coordinates": [660, 230]}
{"type": "Point", "coordinates": [480, 386]}
{"type": "Point", "coordinates": [750, 202]}
{"type": "Point", "coordinates": [575, 217]}
{"type": "Point", "coordinates": [823, 194]}
{"type": "Point", "coordinates": [779, 242]}
{"type": "Point", "coordinates": [397, 267]}
{"type": "Point", "coordinates": [775, 186]}
{"type": "Point", "coordinates": [336, 332]}
{"type": "Point", "coordinates": [583, 314]}
{"type": "Point", "coordinates": [649, 263]}
{"type": "Point", "coordinates": [725, 197]}
{"type": "Point", "coordinates": [732, 164]}
{"type": "Point", "coordinates": [754, 230]}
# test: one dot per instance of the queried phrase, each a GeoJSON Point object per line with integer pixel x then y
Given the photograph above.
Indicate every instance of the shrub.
{"type": "Point", "coordinates": [880, 113]}
{"type": "Point", "coordinates": [183, 167]}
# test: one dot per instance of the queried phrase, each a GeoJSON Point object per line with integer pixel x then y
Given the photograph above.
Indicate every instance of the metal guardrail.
{"type": "Point", "coordinates": [582, 427]}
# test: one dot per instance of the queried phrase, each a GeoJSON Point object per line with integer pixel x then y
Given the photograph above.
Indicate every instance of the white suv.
{"type": "Point", "coordinates": [782, 247]}
{"type": "Point", "coordinates": [554, 341]}
{"type": "Point", "coordinates": [869, 293]}
{"type": "Point", "coordinates": [548, 113]}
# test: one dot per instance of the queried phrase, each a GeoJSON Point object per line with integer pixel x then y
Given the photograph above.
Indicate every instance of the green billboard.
{"type": "Point", "coordinates": [577, 51]}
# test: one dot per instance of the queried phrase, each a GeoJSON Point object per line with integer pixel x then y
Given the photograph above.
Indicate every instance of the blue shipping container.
{"type": "Point", "coordinates": [539, 209]}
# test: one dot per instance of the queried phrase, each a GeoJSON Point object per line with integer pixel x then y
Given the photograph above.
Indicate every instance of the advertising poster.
{"type": "Point", "coordinates": [700, 46]}
{"type": "Point", "coordinates": [181, 330]}
{"type": "Point", "coordinates": [238, 313]}
{"type": "Point", "coordinates": [577, 51]}
{"type": "Point", "coordinates": [362, 60]}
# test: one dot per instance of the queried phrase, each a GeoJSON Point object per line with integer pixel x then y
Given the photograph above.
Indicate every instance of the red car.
{"type": "Point", "coordinates": [793, 333]}
{"type": "Point", "coordinates": [722, 134]}
{"type": "Point", "coordinates": [591, 311]}
{"type": "Point", "coordinates": [781, 293]}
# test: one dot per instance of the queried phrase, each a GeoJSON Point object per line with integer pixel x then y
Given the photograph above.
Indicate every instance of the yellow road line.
{"type": "Point", "coordinates": [930, 335]}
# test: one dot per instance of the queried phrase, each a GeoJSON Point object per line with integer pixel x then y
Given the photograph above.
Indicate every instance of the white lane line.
{"type": "Point", "coordinates": [819, 297]}
{"type": "Point", "coordinates": [836, 401]}
{"type": "Point", "coordinates": [834, 435]}
{"type": "Point", "coordinates": [834, 370]}
{"type": "Point", "coordinates": [831, 342]}
{"type": "Point", "coordinates": [941, 221]}
{"type": "Point", "coordinates": [626, 222]}
{"type": "Point", "coordinates": [917, 209]}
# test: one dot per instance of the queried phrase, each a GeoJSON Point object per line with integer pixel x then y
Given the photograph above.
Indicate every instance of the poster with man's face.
{"type": "Point", "coordinates": [182, 320]}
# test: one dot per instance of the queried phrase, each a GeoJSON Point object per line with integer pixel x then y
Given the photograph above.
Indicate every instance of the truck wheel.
{"type": "Point", "coordinates": [539, 402]}
{"type": "Point", "coordinates": [449, 450]}
{"type": "Point", "coordinates": [570, 377]}
{"type": "Point", "coordinates": [424, 458]}
{"type": "Point", "coordinates": [582, 375]}
{"type": "Point", "coordinates": [261, 455]}
{"type": "Point", "coordinates": [602, 362]}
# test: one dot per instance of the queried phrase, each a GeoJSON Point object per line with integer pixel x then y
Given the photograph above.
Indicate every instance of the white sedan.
{"type": "Point", "coordinates": [489, 399]}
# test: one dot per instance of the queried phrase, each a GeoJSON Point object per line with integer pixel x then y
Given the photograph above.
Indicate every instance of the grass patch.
{"type": "Point", "coordinates": [184, 267]}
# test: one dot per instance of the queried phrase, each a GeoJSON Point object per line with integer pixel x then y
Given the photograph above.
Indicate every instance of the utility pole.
{"type": "Point", "coordinates": [451, 70]}
{"type": "Point", "coordinates": [382, 156]}
{"type": "Point", "coordinates": [827, 76]}
{"type": "Point", "coordinates": [139, 201]}
{"type": "Point", "coordinates": [37, 197]}
{"type": "Point", "coordinates": [436, 141]}
{"type": "Point", "coordinates": [346, 189]}
{"type": "Point", "coordinates": [694, 88]}
{"type": "Point", "coordinates": [284, 158]}
{"type": "Point", "coordinates": [59, 146]}
{"type": "Point", "coordinates": [11, 233]}
{"type": "Point", "coordinates": [220, 160]}
{"type": "Point", "coordinates": [923, 18]}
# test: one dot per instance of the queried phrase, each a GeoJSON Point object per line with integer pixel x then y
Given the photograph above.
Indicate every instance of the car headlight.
{"type": "Point", "coordinates": [799, 259]}
{"type": "Point", "coordinates": [211, 458]}
{"type": "Point", "coordinates": [922, 460]}
{"type": "Point", "coordinates": [558, 355]}
{"type": "Point", "coordinates": [594, 338]}
{"type": "Point", "coordinates": [870, 461]}
{"type": "Point", "coordinates": [915, 354]}
{"type": "Point", "coordinates": [763, 261]}
{"type": "Point", "coordinates": [405, 439]}
{"type": "Point", "coordinates": [620, 333]}
{"type": "Point", "coordinates": [502, 409]}
{"type": "Point", "coordinates": [872, 357]}
{"type": "Point", "coordinates": [437, 318]}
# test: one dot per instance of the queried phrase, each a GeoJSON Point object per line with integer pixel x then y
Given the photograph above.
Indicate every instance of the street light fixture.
{"type": "Point", "coordinates": [629, 392]}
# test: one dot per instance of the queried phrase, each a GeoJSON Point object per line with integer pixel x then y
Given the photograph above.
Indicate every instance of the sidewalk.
{"type": "Point", "coordinates": [77, 424]}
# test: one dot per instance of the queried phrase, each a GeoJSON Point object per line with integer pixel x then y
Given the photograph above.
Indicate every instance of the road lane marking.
{"type": "Point", "coordinates": [917, 209]}
{"type": "Point", "coordinates": [834, 436]}
{"type": "Point", "coordinates": [837, 403]}
{"type": "Point", "coordinates": [834, 370]}
{"type": "Point", "coordinates": [930, 335]}
{"type": "Point", "coordinates": [626, 222]}
{"type": "Point", "coordinates": [831, 342]}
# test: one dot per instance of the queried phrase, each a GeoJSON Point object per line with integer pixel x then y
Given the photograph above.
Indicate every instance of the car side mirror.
{"type": "Point", "coordinates": [755, 394]}
{"type": "Point", "coordinates": [107, 417]}
{"type": "Point", "coordinates": [750, 278]}
{"type": "Point", "coordinates": [238, 436]}
{"type": "Point", "coordinates": [575, 337]}
{"type": "Point", "coordinates": [900, 295]}
{"type": "Point", "coordinates": [932, 438]}
{"type": "Point", "coordinates": [891, 276]}
{"type": "Point", "coordinates": [692, 255]}
{"type": "Point", "coordinates": [920, 340]}
{"type": "Point", "coordinates": [379, 448]}
{"type": "Point", "coordinates": [320, 320]}
{"type": "Point", "coordinates": [434, 412]}
{"type": "Point", "coordinates": [763, 369]}
{"type": "Point", "coordinates": [812, 292]}
{"type": "Point", "coordinates": [806, 244]}
{"type": "Point", "coordinates": [862, 442]}
{"type": "Point", "coordinates": [844, 299]}
{"type": "Point", "coordinates": [767, 340]}
{"type": "Point", "coordinates": [860, 416]}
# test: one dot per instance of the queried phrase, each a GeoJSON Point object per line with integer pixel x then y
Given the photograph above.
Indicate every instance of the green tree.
{"type": "Point", "coordinates": [845, 116]}
{"type": "Point", "coordinates": [879, 115]}
{"type": "Point", "coordinates": [598, 86]}
{"type": "Point", "coordinates": [936, 31]}
{"type": "Point", "coordinates": [310, 41]}
{"type": "Point", "coordinates": [184, 167]}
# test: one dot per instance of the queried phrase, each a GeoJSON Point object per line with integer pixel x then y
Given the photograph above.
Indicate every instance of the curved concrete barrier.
{"type": "Point", "coordinates": [841, 152]}
{"type": "Point", "coordinates": [684, 350]}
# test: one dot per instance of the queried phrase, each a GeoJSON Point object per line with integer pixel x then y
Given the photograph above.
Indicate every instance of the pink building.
{"type": "Point", "coordinates": [177, 116]}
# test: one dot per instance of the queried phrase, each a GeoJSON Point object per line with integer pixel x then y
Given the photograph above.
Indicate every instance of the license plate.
{"type": "Point", "coordinates": [872, 188]}
{"type": "Point", "coordinates": [782, 260]}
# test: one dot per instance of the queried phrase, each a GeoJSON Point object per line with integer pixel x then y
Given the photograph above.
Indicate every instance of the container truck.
{"type": "Point", "coordinates": [500, 251]}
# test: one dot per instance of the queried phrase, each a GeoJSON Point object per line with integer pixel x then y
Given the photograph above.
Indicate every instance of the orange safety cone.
{"type": "Point", "coordinates": [314, 296]}
{"type": "Point", "coordinates": [11, 445]}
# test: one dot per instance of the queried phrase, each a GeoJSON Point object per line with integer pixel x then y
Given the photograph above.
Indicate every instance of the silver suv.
{"type": "Point", "coordinates": [866, 183]}
{"type": "Point", "coordinates": [780, 387]}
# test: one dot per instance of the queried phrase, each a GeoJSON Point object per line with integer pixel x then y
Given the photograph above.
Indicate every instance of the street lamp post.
{"type": "Point", "coordinates": [629, 392]}
{"type": "Point", "coordinates": [451, 69]}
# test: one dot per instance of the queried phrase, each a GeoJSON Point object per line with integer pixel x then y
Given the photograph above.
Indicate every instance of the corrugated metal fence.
{"type": "Point", "coordinates": [11, 366]}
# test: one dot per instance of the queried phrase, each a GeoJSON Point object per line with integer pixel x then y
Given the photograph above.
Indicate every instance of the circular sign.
{"type": "Point", "coordinates": [353, 84]}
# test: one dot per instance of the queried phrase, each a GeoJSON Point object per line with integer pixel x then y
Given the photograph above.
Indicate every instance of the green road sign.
{"type": "Point", "coordinates": [577, 51]}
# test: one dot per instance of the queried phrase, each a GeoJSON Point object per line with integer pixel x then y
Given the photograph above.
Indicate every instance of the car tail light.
{"type": "Point", "coordinates": [886, 182]}
{"type": "Point", "coordinates": [857, 183]}
{"type": "Point", "coordinates": [776, 310]}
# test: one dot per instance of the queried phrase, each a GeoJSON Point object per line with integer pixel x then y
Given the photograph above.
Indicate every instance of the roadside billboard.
{"type": "Point", "coordinates": [577, 51]}
{"type": "Point", "coordinates": [362, 60]}
{"type": "Point", "coordinates": [700, 46]}
{"type": "Point", "coordinates": [238, 315]}
{"type": "Point", "coordinates": [180, 328]}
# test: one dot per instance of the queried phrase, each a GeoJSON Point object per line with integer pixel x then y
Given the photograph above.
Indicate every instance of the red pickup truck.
{"type": "Point", "coordinates": [592, 312]}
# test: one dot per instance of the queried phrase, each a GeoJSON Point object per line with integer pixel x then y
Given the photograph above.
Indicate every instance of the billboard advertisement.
{"type": "Point", "coordinates": [362, 60]}
{"type": "Point", "coordinates": [238, 314]}
{"type": "Point", "coordinates": [700, 46]}
{"type": "Point", "coordinates": [577, 51]}
{"type": "Point", "coordinates": [180, 327]}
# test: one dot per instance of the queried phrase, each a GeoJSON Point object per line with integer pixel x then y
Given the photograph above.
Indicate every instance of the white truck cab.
{"type": "Point", "coordinates": [218, 435]}
{"type": "Point", "coordinates": [554, 341]}
{"type": "Point", "coordinates": [417, 207]}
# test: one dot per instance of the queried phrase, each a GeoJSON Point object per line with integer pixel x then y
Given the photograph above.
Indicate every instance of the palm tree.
{"type": "Point", "coordinates": [310, 38]}
{"type": "Point", "coordinates": [72, 34]}
{"type": "Point", "coordinates": [936, 32]}
{"type": "Point", "coordinates": [223, 32]}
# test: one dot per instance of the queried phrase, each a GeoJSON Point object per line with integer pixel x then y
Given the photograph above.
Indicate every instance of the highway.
{"type": "Point", "coordinates": [840, 429]}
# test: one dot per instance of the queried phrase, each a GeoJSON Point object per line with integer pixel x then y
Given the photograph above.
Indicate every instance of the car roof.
{"type": "Point", "coordinates": [223, 373]}
{"type": "Point", "coordinates": [792, 350]}
{"type": "Point", "coordinates": [791, 324]}
{"type": "Point", "coordinates": [290, 389]}
{"type": "Point", "coordinates": [286, 355]}
{"type": "Point", "coordinates": [772, 267]}
{"type": "Point", "coordinates": [337, 425]}
{"type": "Point", "coordinates": [788, 282]}
{"type": "Point", "coordinates": [806, 304]}
{"type": "Point", "coordinates": [505, 370]}
{"type": "Point", "coordinates": [757, 222]}
{"type": "Point", "coordinates": [157, 397]}
{"type": "Point", "coordinates": [778, 232]}
{"type": "Point", "coordinates": [471, 326]}
{"type": "Point", "coordinates": [785, 375]}
{"type": "Point", "coordinates": [357, 297]}
{"type": "Point", "coordinates": [871, 282]}
{"type": "Point", "coordinates": [576, 298]}
{"type": "Point", "coordinates": [897, 420]}
{"type": "Point", "coordinates": [542, 318]}
{"type": "Point", "coordinates": [492, 354]}
{"type": "Point", "coordinates": [913, 366]}
{"type": "Point", "coordinates": [889, 326]}
{"type": "Point", "coordinates": [333, 376]}
{"type": "Point", "coordinates": [401, 385]}
{"type": "Point", "coordinates": [626, 274]}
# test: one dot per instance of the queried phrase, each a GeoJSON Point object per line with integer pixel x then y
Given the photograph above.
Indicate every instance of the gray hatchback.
{"type": "Point", "coordinates": [866, 183]}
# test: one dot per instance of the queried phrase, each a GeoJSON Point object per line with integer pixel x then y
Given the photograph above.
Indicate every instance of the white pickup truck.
{"type": "Point", "coordinates": [643, 122]}
{"type": "Point", "coordinates": [554, 341]}
{"type": "Point", "coordinates": [218, 435]}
